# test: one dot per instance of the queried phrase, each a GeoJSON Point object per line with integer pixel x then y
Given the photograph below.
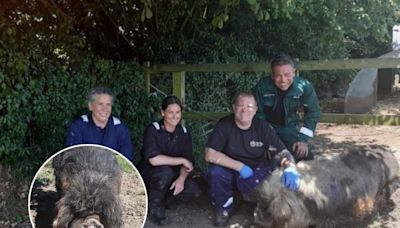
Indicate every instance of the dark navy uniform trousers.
{"type": "Point", "coordinates": [222, 182]}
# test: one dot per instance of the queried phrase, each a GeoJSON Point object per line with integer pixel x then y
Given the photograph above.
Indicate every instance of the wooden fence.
{"type": "Point", "coordinates": [178, 72]}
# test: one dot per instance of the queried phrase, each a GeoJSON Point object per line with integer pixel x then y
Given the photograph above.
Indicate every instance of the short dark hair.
{"type": "Point", "coordinates": [282, 59]}
{"type": "Point", "coordinates": [244, 93]}
{"type": "Point", "coordinates": [98, 91]}
{"type": "Point", "coordinates": [170, 99]}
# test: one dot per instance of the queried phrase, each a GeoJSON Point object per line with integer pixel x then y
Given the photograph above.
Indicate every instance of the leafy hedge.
{"type": "Point", "coordinates": [51, 55]}
{"type": "Point", "coordinates": [39, 100]}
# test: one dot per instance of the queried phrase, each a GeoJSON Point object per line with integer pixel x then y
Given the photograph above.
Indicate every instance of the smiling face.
{"type": "Point", "coordinates": [283, 76]}
{"type": "Point", "coordinates": [244, 110]}
{"type": "Point", "coordinates": [101, 109]}
{"type": "Point", "coordinates": [172, 116]}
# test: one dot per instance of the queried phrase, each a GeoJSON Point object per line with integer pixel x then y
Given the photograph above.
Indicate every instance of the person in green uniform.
{"type": "Point", "coordinates": [281, 98]}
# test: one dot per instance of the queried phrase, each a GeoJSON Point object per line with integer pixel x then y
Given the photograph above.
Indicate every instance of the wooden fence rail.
{"type": "Point", "coordinates": [179, 73]}
{"type": "Point", "coordinates": [336, 64]}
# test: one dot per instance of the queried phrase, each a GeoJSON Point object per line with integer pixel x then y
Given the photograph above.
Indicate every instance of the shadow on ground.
{"type": "Point", "coordinates": [43, 203]}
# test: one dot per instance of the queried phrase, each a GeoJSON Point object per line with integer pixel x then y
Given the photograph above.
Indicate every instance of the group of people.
{"type": "Point", "coordinates": [264, 132]}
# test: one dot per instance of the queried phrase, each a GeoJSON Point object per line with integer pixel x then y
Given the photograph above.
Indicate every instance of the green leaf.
{"type": "Point", "coordinates": [149, 13]}
{"type": "Point", "coordinates": [252, 2]}
{"type": "Point", "coordinates": [218, 22]}
{"type": "Point", "coordinates": [266, 15]}
{"type": "Point", "coordinates": [260, 16]}
{"type": "Point", "coordinates": [255, 8]}
{"type": "Point", "coordinates": [226, 17]}
{"type": "Point", "coordinates": [142, 16]}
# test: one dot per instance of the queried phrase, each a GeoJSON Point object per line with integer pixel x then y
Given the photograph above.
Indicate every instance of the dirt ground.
{"type": "Point", "coordinates": [330, 139]}
{"type": "Point", "coordinates": [133, 196]}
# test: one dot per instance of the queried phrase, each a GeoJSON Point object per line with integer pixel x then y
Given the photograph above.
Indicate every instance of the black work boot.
{"type": "Point", "coordinates": [157, 215]}
{"type": "Point", "coordinates": [157, 208]}
{"type": "Point", "coordinates": [171, 202]}
{"type": "Point", "coordinates": [157, 191]}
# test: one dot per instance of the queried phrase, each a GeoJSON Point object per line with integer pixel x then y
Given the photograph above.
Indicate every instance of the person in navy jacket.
{"type": "Point", "coordinates": [99, 127]}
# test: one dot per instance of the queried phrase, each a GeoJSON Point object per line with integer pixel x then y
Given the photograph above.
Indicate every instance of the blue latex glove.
{"type": "Point", "coordinates": [291, 178]}
{"type": "Point", "coordinates": [245, 172]}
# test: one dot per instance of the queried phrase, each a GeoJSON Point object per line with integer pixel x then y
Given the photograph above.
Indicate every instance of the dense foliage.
{"type": "Point", "coordinates": [37, 107]}
{"type": "Point", "coordinates": [53, 51]}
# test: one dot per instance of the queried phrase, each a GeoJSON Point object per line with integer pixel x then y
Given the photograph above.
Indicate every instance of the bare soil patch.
{"type": "Point", "coordinates": [330, 139]}
{"type": "Point", "coordinates": [44, 197]}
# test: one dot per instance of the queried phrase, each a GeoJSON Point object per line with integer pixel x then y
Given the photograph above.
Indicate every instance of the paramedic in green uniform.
{"type": "Point", "coordinates": [281, 98]}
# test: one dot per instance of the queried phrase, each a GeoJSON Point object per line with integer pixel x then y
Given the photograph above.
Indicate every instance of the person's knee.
{"type": "Point", "coordinates": [219, 179]}
{"type": "Point", "coordinates": [161, 180]}
{"type": "Point", "coordinates": [215, 171]}
{"type": "Point", "coordinates": [192, 189]}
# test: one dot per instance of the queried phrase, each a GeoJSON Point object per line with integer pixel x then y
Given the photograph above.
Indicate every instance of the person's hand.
{"type": "Point", "coordinates": [300, 149]}
{"type": "Point", "coordinates": [187, 164]}
{"type": "Point", "coordinates": [291, 178]}
{"type": "Point", "coordinates": [178, 185]}
{"type": "Point", "coordinates": [245, 172]}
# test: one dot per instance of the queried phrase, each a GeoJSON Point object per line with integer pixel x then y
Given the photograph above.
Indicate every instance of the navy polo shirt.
{"type": "Point", "coordinates": [248, 146]}
{"type": "Point", "coordinates": [156, 141]}
{"type": "Point", "coordinates": [115, 135]}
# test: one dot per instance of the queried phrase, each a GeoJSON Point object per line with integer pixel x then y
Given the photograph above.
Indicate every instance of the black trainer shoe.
{"type": "Point", "coordinates": [221, 219]}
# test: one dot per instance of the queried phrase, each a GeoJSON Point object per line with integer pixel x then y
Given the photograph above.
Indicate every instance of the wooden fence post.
{"type": "Point", "coordinates": [178, 85]}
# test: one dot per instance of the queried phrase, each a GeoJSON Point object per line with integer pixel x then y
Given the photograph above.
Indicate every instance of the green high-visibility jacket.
{"type": "Point", "coordinates": [300, 97]}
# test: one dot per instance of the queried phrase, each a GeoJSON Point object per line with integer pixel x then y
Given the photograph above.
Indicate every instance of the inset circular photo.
{"type": "Point", "coordinates": [89, 186]}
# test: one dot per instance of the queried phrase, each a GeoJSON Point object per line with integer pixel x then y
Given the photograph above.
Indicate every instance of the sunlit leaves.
{"type": "Point", "coordinates": [255, 7]}
{"type": "Point", "coordinates": [49, 57]}
{"type": "Point", "coordinates": [218, 21]}
{"type": "Point", "coordinates": [147, 13]}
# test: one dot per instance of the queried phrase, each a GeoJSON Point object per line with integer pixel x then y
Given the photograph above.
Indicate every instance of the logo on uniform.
{"type": "Point", "coordinates": [256, 143]}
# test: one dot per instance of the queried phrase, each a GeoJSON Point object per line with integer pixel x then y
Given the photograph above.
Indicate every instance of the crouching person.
{"type": "Point", "coordinates": [236, 153]}
{"type": "Point", "coordinates": [167, 161]}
